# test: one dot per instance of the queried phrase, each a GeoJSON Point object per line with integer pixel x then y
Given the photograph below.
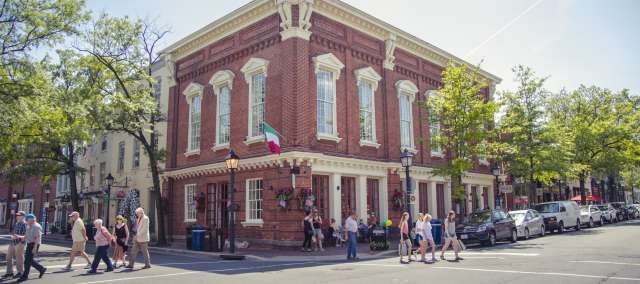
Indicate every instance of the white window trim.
{"type": "Point", "coordinates": [369, 75]}
{"type": "Point", "coordinates": [253, 67]}
{"type": "Point", "coordinates": [330, 63]}
{"type": "Point", "coordinates": [21, 206]}
{"type": "Point", "coordinates": [248, 221]}
{"type": "Point", "coordinates": [222, 78]}
{"type": "Point", "coordinates": [439, 153]}
{"type": "Point", "coordinates": [193, 90]}
{"type": "Point", "coordinates": [408, 88]}
{"type": "Point", "coordinates": [187, 187]}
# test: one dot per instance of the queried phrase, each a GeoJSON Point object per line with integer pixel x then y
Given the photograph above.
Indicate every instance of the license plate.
{"type": "Point", "coordinates": [464, 236]}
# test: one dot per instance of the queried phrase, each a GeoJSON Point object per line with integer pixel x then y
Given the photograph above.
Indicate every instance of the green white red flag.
{"type": "Point", "coordinates": [273, 141]}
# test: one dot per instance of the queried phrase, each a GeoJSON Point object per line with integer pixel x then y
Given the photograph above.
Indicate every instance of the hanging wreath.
{"type": "Point", "coordinates": [307, 199]}
{"type": "Point", "coordinates": [398, 201]}
{"type": "Point", "coordinates": [283, 196]}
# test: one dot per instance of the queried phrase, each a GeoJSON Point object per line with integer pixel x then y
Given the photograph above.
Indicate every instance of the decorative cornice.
{"type": "Point", "coordinates": [328, 61]}
{"type": "Point", "coordinates": [368, 74]}
{"type": "Point", "coordinates": [192, 90]}
{"type": "Point", "coordinates": [220, 79]}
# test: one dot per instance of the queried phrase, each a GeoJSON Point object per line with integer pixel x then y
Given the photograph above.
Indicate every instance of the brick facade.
{"type": "Point", "coordinates": [291, 110]}
{"type": "Point", "coordinates": [32, 189]}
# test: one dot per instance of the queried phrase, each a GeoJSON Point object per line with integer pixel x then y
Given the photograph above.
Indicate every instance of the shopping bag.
{"type": "Point", "coordinates": [461, 246]}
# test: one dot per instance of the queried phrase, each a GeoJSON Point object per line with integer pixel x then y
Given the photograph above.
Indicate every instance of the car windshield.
{"type": "Point", "coordinates": [517, 216]}
{"type": "Point", "coordinates": [584, 209]}
{"type": "Point", "coordinates": [616, 205]}
{"type": "Point", "coordinates": [480, 217]}
{"type": "Point", "coordinates": [603, 207]}
{"type": "Point", "coordinates": [547, 208]}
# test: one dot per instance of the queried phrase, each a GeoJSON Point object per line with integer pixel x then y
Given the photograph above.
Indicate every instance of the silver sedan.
{"type": "Point", "coordinates": [528, 223]}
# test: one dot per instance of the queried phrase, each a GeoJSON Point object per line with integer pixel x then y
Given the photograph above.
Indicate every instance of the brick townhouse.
{"type": "Point", "coordinates": [341, 87]}
{"type": "Point", "coordinates": [29, 195]}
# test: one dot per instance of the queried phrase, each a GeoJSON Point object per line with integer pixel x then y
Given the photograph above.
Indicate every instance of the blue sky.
{"type": "Point", "coordinates": [572, 41]}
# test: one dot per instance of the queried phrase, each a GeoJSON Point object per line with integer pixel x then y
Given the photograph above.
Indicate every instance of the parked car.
{"type": "Point", "coordinates": [591, 215]}
{"type": "Point", "coordinates": [608, 213]}
{"type": "Point", "coordinates": [528, 223]}
{"type": "Point", "coordinates": [634, 210]}
{"type": "Point", "coordinates": [487, 227]}
{"type": "Point", "coordinates": [559, 215]}
{"type": "Point", "coordinates": [621, 210]}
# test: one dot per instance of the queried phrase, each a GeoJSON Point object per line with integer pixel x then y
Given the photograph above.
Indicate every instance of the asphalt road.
{"type": "Point", "coordinates": [607, 254]}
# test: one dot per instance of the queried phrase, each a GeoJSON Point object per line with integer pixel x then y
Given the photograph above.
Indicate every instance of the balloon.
{"type": "Point", "coordinates": [388, 223]}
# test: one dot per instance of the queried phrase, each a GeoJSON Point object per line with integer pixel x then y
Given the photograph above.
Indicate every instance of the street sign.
{"type": "Point", "coordinates": [506, 188]}
{"type": "Point", "coordinates": [412, 198]}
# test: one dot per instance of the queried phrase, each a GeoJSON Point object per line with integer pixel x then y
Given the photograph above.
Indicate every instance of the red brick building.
{"type": "Point", "coordinates": [29, 196]}
{"type": "Point", "coordinates": [341, 87]}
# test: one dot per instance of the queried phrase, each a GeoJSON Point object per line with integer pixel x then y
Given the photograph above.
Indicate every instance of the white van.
{"type": "Point", "coordinates": [559, 215]}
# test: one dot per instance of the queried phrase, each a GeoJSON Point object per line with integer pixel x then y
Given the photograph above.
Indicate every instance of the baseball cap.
{"type": "Point", "coordinates": [74, 213]}
{"type": "Point", "coordinates": [30, 217]}
{"type": "Point", "coordinates": [21, 213]}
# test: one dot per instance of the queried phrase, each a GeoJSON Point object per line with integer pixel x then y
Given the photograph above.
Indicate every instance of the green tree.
{"type": "Point", "coordinates": [465, 117]}
{"type": "Point", "coordinates": [596, 125]}
{"type": "Point", "coordinates": [123, 52]}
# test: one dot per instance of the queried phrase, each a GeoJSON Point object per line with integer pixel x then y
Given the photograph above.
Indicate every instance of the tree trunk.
{"type": "Point", "coordinates": [156, 194]}
{"type": "Point", "coordinates": [72, 171]}
{"type": "Point", "coordinates": [603, 191]}
{"type": "Point", "coordinates": [612, 192]}
{"type": "Point", "coordinates": [583, 195]}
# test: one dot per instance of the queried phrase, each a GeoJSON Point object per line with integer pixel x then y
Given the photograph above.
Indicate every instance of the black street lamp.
{"type": "Point", "coordinates": [495, 170]}
{"type": "Point", "coordinates": [231, 160]}
{"type": "Point", "coordinates": [407, 160]}
{"type": "Point", "coordinates": [45, 213]}
{"type": "Point", "coordinates": [109, 180]}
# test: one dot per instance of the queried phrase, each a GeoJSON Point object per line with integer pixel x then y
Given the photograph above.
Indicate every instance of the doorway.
{"type": "Point", "coordinates": [348, 195]}
{"type": "Point", "coordinates": [373, 201]}
{"type": "Point", "coordinates": [217, 213]}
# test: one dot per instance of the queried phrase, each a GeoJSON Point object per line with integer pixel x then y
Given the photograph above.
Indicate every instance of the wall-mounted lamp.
{"type": "Point", "coordinates": [338, 188]}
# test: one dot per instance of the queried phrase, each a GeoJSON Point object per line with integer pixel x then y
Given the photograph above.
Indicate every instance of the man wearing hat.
{"type": "Point", "coordinates": [16, 247]}
{"type": "Point", "coordinates": [79, 236]}
{"type": "Point", "coordinates": [33, 238]}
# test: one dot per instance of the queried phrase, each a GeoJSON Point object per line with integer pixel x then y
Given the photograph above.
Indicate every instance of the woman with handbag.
{"type": "Point", "coordinates": [420, 236]}
{"type": "Point", "coordinates": [450, 237]}
{"type": "Point", "coordinates": [103, 240]}
{"type": "Point", "coordinates": [405, 239]}
{"type": "Point", "coordinates": [317, 230]}
{"type": "Point", "coordinates": [121, 235]}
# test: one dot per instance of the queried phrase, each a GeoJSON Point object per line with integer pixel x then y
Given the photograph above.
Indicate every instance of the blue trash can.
{"type": "Point", "coordinates": [197, 241]}
{"type": "Point", "coordinates": [436, 230]}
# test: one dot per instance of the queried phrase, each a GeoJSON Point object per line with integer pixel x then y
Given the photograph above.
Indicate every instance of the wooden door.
{"type": "Point", "coordinates": [440, 200]}
{"type": "Point", "coordinates": [423, 204]}
{"type": "Point", "coordinates": [217, 212]}
{"type": "Point", "coordinates": [373, 200]}
{"type": "Point", "coordinates": [348, 195]}
{"type": "Point", "coordinates": [320, 188]}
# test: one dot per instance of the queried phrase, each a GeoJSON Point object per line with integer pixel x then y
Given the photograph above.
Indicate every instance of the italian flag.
{"type": "Point", "coordinates": [271, 135]}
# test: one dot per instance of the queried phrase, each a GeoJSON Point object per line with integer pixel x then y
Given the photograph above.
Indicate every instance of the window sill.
{"type": "Point", "coordinates": [328, 137]}
{"type": "Point", "coordinates": [220, 147]}
{"type": "Point", "coordinates": [190, 220]}
{"type": "Point", "coordinates": [253, 223]}
{"type": "Point", "coordinates": [437, 155]}
{"type": "Point", "coordinates": [369, 144]}
{"type": "Point", "coordinates": [411, 150]}
{"type": "Point", "coordinates": [192, 153]}
{"type": "Point", "coordinates": [253, 140]}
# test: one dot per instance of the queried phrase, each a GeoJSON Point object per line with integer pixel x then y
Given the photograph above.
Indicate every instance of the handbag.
{"type": "Point", "coordinates": [461, 246]}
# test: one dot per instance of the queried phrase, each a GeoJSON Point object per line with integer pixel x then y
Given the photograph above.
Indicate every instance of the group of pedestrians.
{"type": "Point", "coordinates": [424, 237]}
{"type": "Point", "coordinates": [312, 228]}
{"type": "Point", "coordinates": [26, 238]}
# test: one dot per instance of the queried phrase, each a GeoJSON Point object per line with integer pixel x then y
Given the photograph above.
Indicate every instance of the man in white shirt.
{"type": "Point", "coordinates": [79, 237]}
{"type": "Point", "coordinates": [141, 240]}
{"type": "Point", "coordinates": [351, 229]}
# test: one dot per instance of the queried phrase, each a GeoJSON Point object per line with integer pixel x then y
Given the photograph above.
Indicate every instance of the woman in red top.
{"type": "Point", "coordinates": [405, 239]}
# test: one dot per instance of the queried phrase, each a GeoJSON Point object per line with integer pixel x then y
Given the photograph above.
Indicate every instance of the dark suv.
{"type": "Point", "coordinates": [487, 227]}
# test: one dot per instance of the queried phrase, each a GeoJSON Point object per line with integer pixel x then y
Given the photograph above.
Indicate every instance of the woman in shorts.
{"type": "Point", "coordinates": [428, 237]}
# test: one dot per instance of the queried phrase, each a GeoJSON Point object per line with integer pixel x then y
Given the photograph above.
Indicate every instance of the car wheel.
{"type": "Point", "coordinates": [492, 239]}
{"type": "Point", "coordinates": [601, 221]}
{"type": "Point", "coordinates": [578, 225]}
{"type": "Point", "coordinates": [561, 227]}
{"type": "Point", "coordinates": [591, 225]}
{"type": "Point", "coordinates": [526, 233]}
{"type": "Point", "coordinates": [620, 219]}
{"type": "Point", "coordinates": [542, 231]}
{"type": "Point", "coordinates": [514, 236]}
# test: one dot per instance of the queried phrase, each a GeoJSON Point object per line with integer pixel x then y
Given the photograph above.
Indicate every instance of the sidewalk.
{"type": "Point", "coordinates": [260, 253]}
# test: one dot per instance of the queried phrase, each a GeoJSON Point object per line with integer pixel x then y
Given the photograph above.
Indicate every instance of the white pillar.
{"type": "Point", "coordinates": [491, 197]}
{"type": "Point", "coordinates": [415, 208]}
{"type": "Point", "coordinates": [384, 199]}
{"type": "Point", "coordinates": [361, 198]}
{"type": "Point", "coordinates": [335, 200]}
{"type": "Point", "coordinates": [432, 195]}
{"type": "Point", "coordinates": [468, 202]}
{"type": "Point", "coordinates": [479, 194]}
{"type": "Point", "coordinates": [447, 198]}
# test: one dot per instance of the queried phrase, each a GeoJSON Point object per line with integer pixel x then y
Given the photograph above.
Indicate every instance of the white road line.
{"type": "Point", "coordinates": [378, 264]}
{"type": "Point", "coordinates": [541, 273]}
{"type": "Point", "coordinates": [604, 262]}
{"type": "Point", "coordinates": [159, 264]}
{"type": "Point", "coordinates": [192, 272]}
{"type": "Point", "coordinates": [499, 253]}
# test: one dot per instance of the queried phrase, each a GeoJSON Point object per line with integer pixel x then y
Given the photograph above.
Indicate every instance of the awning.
{"type": "Point", "coordinates": [590, 198]}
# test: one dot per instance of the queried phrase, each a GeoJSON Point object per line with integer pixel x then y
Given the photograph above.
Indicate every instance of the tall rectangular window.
{"type": "Point", "coordinates": [326, 96]}
{"type": "Point", "coordinates": [189, 202]}
{"type": "Point", "coordinates": [194, 123]}
{"type": "Point", "coordinates": [25, 205]}
{"type": "Point", "coordinates": [367, 131]}
{"type": "Point", "coordinates": [104, 145]}
{"type": "Point", "coordinates": [136, 154]}
{"type": "Point", "coordinates": [92, 177]}
{"type": "Point", "coordinates": [254, 200]}
{"type": "Point", "coordinates": [103, 172]}
{"type": "Point", "coordinates": [224, 116]}
{"type": "Point", "coordinates": [121, 148]}
{"type": "Point", "coordinates": [434, 131]}
{"type": "Point", "coordinates": [82, 180]}
{"type": "Point", "coordinates": [258, 94]}
{"type": "Point", "coordinates": [405, 122]}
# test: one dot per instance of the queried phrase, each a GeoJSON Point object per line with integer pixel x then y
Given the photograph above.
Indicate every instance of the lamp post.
{"type": "Point", "coordinates": [496, 172]}
{"type": "Point", "coordinates": [45, 207]}
{"type": "Point", "coordinates": [109, 180]}
{"type": "Point", "coordinates": [407, 160]}
{"type": "Point", "coordinates": [231, 160]}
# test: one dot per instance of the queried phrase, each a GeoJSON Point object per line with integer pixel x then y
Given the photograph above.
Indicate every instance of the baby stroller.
{"type": "Point", "coordinates": [339, 237]}
{"type": "Point", "coordinates": [378, 239]}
